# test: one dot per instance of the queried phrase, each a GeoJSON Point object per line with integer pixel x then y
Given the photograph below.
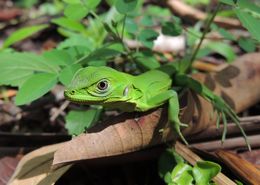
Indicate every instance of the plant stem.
{"type": "Point", "coordinates": [207, 27]}
{"type": "Point", "coordinates": [123, 29]}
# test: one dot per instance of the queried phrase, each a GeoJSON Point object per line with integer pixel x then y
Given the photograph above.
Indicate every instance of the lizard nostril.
{"type": "Point", "coordinates": [72, 92]}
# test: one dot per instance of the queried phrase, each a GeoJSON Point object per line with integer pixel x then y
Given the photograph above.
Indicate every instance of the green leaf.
{"type": "Point", "coordinates": [99, 54]}
{"type": "Point", "coordinates": [249, 7]}
{"type": "Point", "coordinates": [204, 171]}
{"type": "Point", "coordinates": [147, 37]}
{"type": "Point", "coordinates": [77, 52]}
{"type": "Point", "coordinates": [172, 29]}
{"type": "Point", "coordinates": [91, 4]}
{"type": "Point", "coordinates": [67, 73]}
{"type": "Point", "coordinates": [125, 6]}
{"type": "Point", "coordinates": [131, 26]}
{"type": "Point", "coordinates": [238, 182]}
{"type": "Point", "coordinates": [17, 67]}
{"type": "Point", "coordinates": [72, 1]}
{"type": "Point", "coordinates": [223, 49]}
{"type": "Point", "coordinates": [97, 63]}
{"type": "Point", "coordinates": [26, 3]}
{"type": "Point", "coordinates": [247, 44]}
{"type": "Point", "coordinates": [69, 24]}
{"type": "Point", "coordinates": [168, 160]}
{"type": "Point", "coordinates": [251, 23]}
{"type": "Point", "coordinates": [58, 57]}
{"type": "Point", "coordinates": [146, 61]}
{"type": "Point", "coordinates": [78, 121]}
{"type": "Point", "coordinates": [157, 11]}
{"type": "Point", "coordinates": [182, 174]}
{"type": "Point", "coordinates": [226, 34]}
{"type": "Point", "coordinates": [228, 2]}
{"type": "Point", "coordinates": [75, 11]}
{"type": "Point", "coordinates": [7, 77]}
{"type": "Point", "coordinates": [35, 87]}
{"type": "Point", "coordinates": [22, 34]}
{"type": "Point", "coordinates": [147, 21]}
{"type": "Point", "coordinates": [76, 40]}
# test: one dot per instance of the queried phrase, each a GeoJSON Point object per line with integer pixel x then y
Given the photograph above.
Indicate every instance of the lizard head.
{"type": "Point", "coordinates": [98, 85]}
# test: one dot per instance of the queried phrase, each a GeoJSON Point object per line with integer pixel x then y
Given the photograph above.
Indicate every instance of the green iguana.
{"type": "Point", "coordinates": [111, 88]}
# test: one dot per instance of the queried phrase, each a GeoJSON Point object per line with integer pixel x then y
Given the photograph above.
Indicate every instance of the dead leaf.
{"type": "Point", "coordinates": [35, 168]}
{"type": "Point", "coordinates": [120, 135]}
{"type": "Point", "coordinates": [7, 167]}
{"type": "Point", "coordinates": [184, 10]}
{"type": "Point", "coordinates": [8, 14]}
{"type": "Point", "coordinates": [253, 157]}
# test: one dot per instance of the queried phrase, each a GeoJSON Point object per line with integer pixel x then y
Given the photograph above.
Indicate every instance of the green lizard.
{"type": "Point", "coordinates": [111, 88]}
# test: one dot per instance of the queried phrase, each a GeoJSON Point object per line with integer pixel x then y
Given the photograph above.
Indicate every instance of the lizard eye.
{"type": "Point", "coordinates": [102, 85]}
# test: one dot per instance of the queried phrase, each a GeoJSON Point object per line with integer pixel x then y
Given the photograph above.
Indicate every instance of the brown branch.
{"type": "Point", "coordinates": [231, 143]}
{"type": "Point", "coordinates": [249, 124]}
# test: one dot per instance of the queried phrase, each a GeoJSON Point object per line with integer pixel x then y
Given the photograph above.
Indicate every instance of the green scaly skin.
{"type": "Point", "coordinates": [111, 88]}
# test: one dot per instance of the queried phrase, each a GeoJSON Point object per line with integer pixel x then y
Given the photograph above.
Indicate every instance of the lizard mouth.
{"type": "Point", "coordinates": [83, 99]}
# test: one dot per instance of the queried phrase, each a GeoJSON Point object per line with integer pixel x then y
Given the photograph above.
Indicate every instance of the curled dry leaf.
{"type": "Point", "coordinates": [35, 168]}
{"type": "Point", "coordinates": [120, 135]}
{"type": "Point", "coordinates": [238, 84]}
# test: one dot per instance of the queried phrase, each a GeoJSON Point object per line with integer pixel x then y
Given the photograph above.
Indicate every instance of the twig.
{"type": "Point", "coordinates": [207, 27]}
{"type": "Point", "coordinates": [58, 112]}
{"type": "Point", "coordinates": [249, 124]}
{"type": "Point", "coordinates": [229, 143]}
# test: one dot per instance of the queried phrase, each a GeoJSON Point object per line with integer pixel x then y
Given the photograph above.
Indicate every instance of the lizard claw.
{"type": "Point", "coordinates": [224, 111]}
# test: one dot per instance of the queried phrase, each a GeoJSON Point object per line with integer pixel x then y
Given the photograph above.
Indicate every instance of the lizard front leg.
{"type": "Point", "coordinates": [173, 110]}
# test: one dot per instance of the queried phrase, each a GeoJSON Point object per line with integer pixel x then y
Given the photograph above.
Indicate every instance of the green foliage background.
{"type": "Point", "coordinates": [97, 38]}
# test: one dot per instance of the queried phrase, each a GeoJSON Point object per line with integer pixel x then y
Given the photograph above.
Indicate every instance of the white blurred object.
{"type": "Point", "coordinates": [165, 43]}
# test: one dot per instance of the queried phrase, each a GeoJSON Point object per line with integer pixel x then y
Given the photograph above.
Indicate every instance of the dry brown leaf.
{"type": "Point", "coordinates": [8, 14]}
{"type": "Point", "coordinates": [192, 13]}
{"type": "Point", "coordinates": [7, 167]}
{"type": "Point", "coordinates": [238, 84]}
{"type": "Point", "coordinates": [243, 168]}
{"type": "Point", "coordinates": [120, 135]}
{"type": "Point", "coordinates": [35, 168]}
{"type": "Point", "coordinates": [253, 157]}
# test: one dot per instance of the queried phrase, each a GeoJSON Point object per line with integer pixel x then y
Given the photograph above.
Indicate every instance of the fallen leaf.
{"type": "Point", "coordinates": [8, 14]}
{"type": "Point", "coordinates": [35, 168]}
{"type": "Point", "coordinates": [7, 167]}
{"type": "Point", "coordinates": [252, 156]}
{"type": "Point", "coordinates": [120, 135]}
